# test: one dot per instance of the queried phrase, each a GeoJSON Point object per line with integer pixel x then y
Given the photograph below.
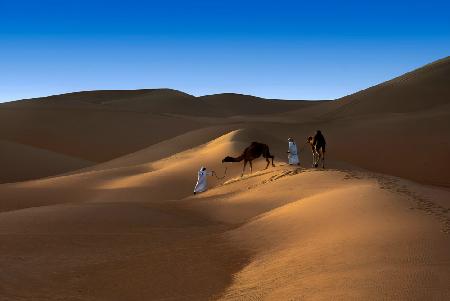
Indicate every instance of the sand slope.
{"type": "Point", "coordinates": [343, 239]}
{"type": "Point", "coordinates": [421, 89]}
{"type": "Point", "coordinates": [22, 162]}
{"type": "Point", "coordinates": [281, 233]}
{"type": "Point", "coordinates": [86, 131]}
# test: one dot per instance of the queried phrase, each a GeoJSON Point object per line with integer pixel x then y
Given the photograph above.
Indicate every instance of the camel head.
{"type": "Point", "coordinates": [228, 159]}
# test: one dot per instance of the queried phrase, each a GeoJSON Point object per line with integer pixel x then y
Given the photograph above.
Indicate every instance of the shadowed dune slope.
{"type": "Point", "coordinates": [410, 145]}
{"type": "Point", "coordinates": [22, 162]}
{"type": "Point", "coordinates": [88, 133]}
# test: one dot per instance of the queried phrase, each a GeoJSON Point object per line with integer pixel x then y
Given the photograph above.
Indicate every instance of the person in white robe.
{"type": "Point", "coordinates": [202, 185]}
{"type": "Point", "coordinates": [292, 152]}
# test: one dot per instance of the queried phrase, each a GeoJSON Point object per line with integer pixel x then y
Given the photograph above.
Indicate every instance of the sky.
{"type": "Point", "coordinates": [273, 49]}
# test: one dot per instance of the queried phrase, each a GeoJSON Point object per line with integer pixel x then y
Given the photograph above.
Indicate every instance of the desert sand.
{"type": "Point", "coordinates": [97, 203]}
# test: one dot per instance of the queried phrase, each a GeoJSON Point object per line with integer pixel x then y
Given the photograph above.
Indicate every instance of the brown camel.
{"type": "Point", "coordinates": [318, 148]}
{"type": "Point", "coordinates": [254, 151]}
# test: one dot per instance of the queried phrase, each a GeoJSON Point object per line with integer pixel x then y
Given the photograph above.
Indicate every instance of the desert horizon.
{"type": "Point", "coordinates": [174, 90]}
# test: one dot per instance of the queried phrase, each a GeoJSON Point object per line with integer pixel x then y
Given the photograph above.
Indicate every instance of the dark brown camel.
{"type": "Point", "coordinates": [317, 148]}
{"type": "Point", "coordinates": [254, 151]}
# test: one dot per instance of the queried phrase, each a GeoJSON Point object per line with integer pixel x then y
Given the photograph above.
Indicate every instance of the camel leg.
{"type": "Point", "coordinates": [243, 170]}
{"type": "Point", "coordinates": [268, 162]}
{"type": "Point", "coordinates": [323, 159]}
{"type": "Point", "coordinates": [251, 166]}
{"type": "Point", "coordinates": [273, 165]}
{"type": "Point", "coordinates": [314, 159]}
{"type": "Point", "coordinates": [319, 156]}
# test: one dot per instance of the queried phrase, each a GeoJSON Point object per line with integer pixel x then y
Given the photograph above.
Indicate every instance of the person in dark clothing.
{"type": "Point", "coordinates": [318, 144]}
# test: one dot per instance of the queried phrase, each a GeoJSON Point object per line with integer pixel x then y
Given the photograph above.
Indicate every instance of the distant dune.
{"type": "Point", "coordinates": [402, 120]}
{"type": "Point", "coordinates": [422, 89]}
{"type": "Point", "coordinates": [98, 126]}
{"type": "Point", "coordinates": [97, 197]}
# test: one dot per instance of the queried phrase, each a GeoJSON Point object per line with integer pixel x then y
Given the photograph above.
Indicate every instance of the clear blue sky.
{"type": "Point", "coordinates": [275, 49]}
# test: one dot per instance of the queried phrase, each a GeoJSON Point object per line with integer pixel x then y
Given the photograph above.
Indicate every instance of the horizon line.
{"type": "Point", "coordinates": [222, 93]}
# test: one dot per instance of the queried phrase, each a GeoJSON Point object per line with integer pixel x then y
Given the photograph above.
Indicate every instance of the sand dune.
{"type": "Point", "coordinates": [119, 177]}
{"type": "Point", "coordinates": [102, 125]}
{"type": "Point", "coordinates": [421, 89]}
{"type": "Point", "coordinates": [230, 104]}
{"type": "Point", "coordinates": [282, 232]}
{"type": "Point", "coordinates": [379, 251]}
{"type": "Point", "coordinates": [102, 205]}
{"type": "Point", "coordinates": [90, 134]}
{"type": "Point", "coordinates": [165, 148]}
{"type": "Point", "coordinates": [22, 162]}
